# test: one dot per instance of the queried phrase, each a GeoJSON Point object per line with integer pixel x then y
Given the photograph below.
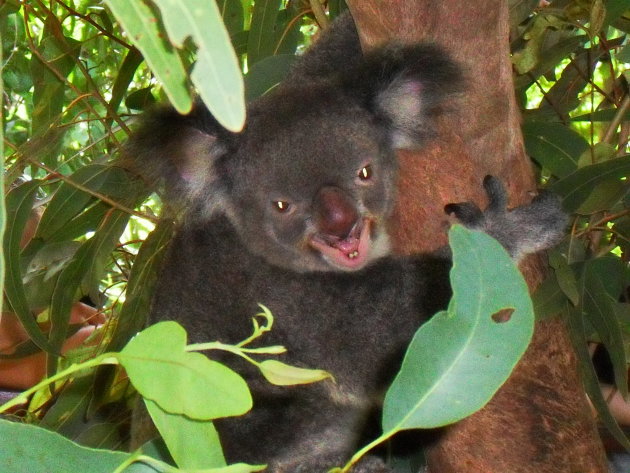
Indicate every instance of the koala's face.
{"type": "Point", "coordinates": [312, 182]}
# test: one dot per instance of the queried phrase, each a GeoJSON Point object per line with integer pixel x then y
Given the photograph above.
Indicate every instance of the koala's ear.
{"type": "Point", "coordinates": [404, 86]}
{"type": "Point", "coordinates": [183, 155]}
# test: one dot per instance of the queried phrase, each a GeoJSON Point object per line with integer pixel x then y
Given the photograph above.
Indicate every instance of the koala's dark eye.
{"type": "Point", "coordinates": [365, 173]}
{"type": "Point", "coordinates": [281, 206]}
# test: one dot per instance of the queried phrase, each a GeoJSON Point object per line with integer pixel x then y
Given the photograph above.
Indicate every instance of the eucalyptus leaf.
{"type": "Point", "coordinates": [266, 74]}
{"type": "Point", "coordinates": [554, 146]}
{"type": "Point", "coordinates": [19, 204]}
{"type": "Point", "coordinates": [549, 299]}
{"type": "Point", "coordinates": [158, 366]}
{"type": "Point", "coordinates": [262, 33]}
{"type": "Point", "coordinates": [194, 444]}
{"type": "Point", "coordinates": [589, 377]}
{"type": "Point", "coordinates": [216, 74]}
{"type": "Point", "coordinates": [459, 358]}
{"type": "Point", "coordinates": [141, 24]}
{"type": "Point", "coordinates": [27, 448]}
{"type": "Point", "coordinates": [576, 187]}
{"type": "Point", "coordinates": [135, 310]}
{"type": "Point", "coordinates": [281, 374]}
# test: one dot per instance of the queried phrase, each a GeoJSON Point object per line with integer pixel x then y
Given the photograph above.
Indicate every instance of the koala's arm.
{"type": "Point", "coordinates": [526, 229]}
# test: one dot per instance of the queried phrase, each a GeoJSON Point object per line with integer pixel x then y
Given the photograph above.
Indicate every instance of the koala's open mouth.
{"type": "Point", "coordinates": [350, 253]}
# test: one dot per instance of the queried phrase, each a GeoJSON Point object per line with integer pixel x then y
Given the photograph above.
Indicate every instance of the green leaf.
{"type": "Point", "coordinates": [2, 206]}
{"type": "Point", "coordinates": [158, 366]}
{"type": "Point", "coordinates": [141, 25]}
{"type": "Point", "coordinates": [27, 448]}
{"type": "Point", "coordinates": [459, 358]}
{"type": "Point", "coordinates": [86, 267]}
{"type": "Point", "coordinates": [614, 9]}
{"type": "Point", "coordinates": [601, 284]}
{"type": "Point", "coordinates": [576, 187]}
{"type": "Point", "coordinates": [69, 201]}
{"type": "Point", "coordinates": [232, 15]}
{"type": "Point", "coordinates": [281, 374]}
{"type": "Point", "coordinates": [192, 443]}
{"type": "Point", "coordinates": [554, 146]}
{"type": "Point", "coordinates": [135, 310]}
{"type": "Point", "coordinates": [262, 33]}
{"type": "Point", "coordinates": [549, 300]}
{"type": "Point", "coordinates": [60, 54]}
{"type": "Point", "coordinates": [19, 203]}
{"type": "Point", "coordinates": [589, 377]}
{"type": "Point", "coordinates": [216, 74]}
{"type": "Point", "coordinates": [236, 468]}
{"type": "Point", "coordinates": [266, 74]}
{"type": "Point", "coordinates": [124, 78]}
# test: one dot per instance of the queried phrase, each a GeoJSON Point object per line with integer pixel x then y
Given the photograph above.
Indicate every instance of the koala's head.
{"type": "Point", "coordinates": [310, 181]}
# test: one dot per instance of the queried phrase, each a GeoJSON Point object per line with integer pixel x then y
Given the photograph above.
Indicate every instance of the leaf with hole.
{"type": "Point", "coordinates": [458, 359]}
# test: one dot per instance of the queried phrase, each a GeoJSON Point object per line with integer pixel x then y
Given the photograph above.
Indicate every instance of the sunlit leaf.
{"type": "Point", "coordinates": [141, 24]}
{"type": "Point", "coordinates": [158, 366]}
{"type": "Point", "coordinates": [216, 74]}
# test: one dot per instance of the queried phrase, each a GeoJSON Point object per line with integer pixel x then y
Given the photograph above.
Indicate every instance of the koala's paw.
{"type": "Point", "coordinates": [523, 230]}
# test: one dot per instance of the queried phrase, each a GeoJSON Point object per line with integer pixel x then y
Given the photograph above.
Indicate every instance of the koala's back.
{"type": "Point", "coordinates": [354, 325]}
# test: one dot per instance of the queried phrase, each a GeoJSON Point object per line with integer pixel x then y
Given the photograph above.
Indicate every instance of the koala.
{"type": "Point", "coordinates": [292, 213]}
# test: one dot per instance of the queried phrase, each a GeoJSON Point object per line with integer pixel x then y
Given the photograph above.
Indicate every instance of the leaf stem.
{"type": "Point", "coordinates": [359, 454]}
{"type": "Point", "coordinates": [105, 358]}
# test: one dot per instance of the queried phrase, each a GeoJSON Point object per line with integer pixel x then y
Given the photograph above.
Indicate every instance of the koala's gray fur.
{"type": "Point", "coordinates": [291, 213]}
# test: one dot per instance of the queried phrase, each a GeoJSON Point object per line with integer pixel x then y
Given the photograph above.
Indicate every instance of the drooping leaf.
{"type": "Point", "coordinates": [262, 33]}
{"type": "Point", "coordinates": [57, 53]}
{"type": "Point", "coordinates": [281, 374]}
{"type": "Point", "coordinates": [141, 24]}
{"type": "Point", "coordinates": [193, 444]}
{"type": "Point", "coordinates": [135, 310]}
{"type": "Point", "coordinates": [554, 146]}
{"type": "Point", "coordinates": [232, 15]}
{"type": "Point", "coordinates": [549, 300]}
{"type": "Point", "coordinates": [216, 74]}
{"type": "Point", "coordinates": [459, 358]}
{"type": "Point", "coordinates": [85, 267]}
{"type": "Point", "coordinates": [158, 366]}
{"type": "Point", "coordinates": [601, 284]}
{"type": "Point", "coordinates": [589, 377]}
{"type": "Point", "coordinates": [69, 200]}
{"type": "Point", "coordinates": [19, 203]}
{"type": "Point", "coordinates": [128, 68]}
{"type": "Point", "coordinates": [576, 187]}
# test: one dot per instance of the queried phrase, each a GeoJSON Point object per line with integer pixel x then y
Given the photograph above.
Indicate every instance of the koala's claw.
{"type": "Point", "coordinates": [497, 195]}
{"type": "Point", "coordinates": [525, 229]}
{"type": "Point", "coordinates": [469, 214]}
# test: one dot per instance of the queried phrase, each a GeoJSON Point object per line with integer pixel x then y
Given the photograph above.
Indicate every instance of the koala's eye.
{"type": "Point", "coordinates": [281, 206]}
{"type": "Point", "coordinates": [365, 174]}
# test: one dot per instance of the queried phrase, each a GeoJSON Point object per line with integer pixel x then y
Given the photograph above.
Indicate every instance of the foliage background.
{"type": "Point", "coordinates": [73, 82]}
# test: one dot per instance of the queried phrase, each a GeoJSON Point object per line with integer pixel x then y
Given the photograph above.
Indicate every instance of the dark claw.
{"type": "Point", "coordinates": [497, 196]}
{"type": "Point", "coordinates": [466, 212]}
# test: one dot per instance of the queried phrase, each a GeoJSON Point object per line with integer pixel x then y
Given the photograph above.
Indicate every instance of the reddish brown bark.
{"type": "Point", "coordinates": [540, 420]}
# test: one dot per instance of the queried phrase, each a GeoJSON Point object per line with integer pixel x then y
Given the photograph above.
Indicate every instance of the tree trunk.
{"type": "Point", "coordinates": [540, 420]}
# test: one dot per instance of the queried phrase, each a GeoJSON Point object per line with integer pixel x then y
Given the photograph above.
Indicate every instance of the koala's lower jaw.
{"type": "Point", "coordinates": [354, 252]}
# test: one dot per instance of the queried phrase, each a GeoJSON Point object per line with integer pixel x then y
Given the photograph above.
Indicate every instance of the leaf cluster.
{"type": "Point", "coordinates": [571, 60]}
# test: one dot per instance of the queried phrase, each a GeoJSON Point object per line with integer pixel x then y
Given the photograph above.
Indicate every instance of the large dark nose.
{"type": "Point", "coordinates": [335, 213]}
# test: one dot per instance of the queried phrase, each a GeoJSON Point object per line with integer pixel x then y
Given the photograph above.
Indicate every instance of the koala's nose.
{"type": "Point", "coordinates": [335, 212]}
